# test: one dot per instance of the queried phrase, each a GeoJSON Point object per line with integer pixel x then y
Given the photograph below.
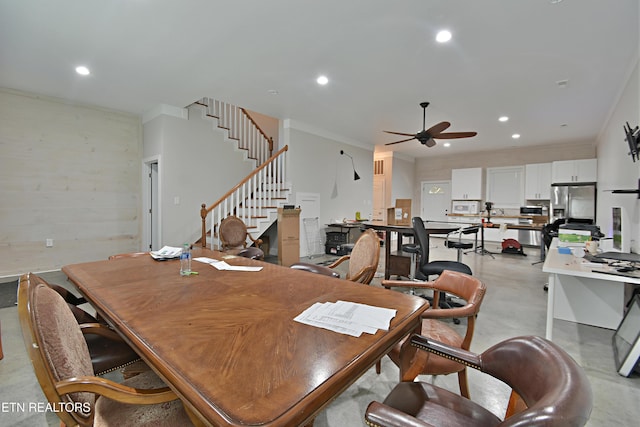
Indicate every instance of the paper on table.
{"type": "Point", "coordinates": [222, 265]}
{"type": "Point", "coordinates": [347, 317]}
{"type": "Point", "coordinates": [167, 252]}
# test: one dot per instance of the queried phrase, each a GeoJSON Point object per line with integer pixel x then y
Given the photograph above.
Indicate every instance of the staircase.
{"type": "Point", "coordinates": [240, 127]}
{"type": "Point", "coordinates": [258, 196]}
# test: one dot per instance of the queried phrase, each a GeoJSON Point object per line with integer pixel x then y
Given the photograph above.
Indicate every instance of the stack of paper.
{"type": "Point", "coordinates": [167, 252]}
{"type": "Point", "coordinates": [347, 317]}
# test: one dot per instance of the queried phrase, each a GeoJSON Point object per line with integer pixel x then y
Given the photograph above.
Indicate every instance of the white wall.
{"type": "Point", "coordinates": [70, 173]}
{"type": "Point", "coordinates": [198, 164]}
{"type": "Point", "coordinates": [316, 166]}
{"type": "Point", "coordinates": [616, 170]}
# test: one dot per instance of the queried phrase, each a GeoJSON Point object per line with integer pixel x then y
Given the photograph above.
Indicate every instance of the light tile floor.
{"type": "Point", "coordinates": [515, 304]}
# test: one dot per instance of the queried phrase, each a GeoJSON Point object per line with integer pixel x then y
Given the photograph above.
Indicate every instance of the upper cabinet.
{"type": "Point", "coordinates": [466, 184]}
{"type": "Point", "coordinates": [568, 171]}
{"type": "Point", "coordinates": [505, 186]}
{"type": "Point", "coordinates": [537, 181]}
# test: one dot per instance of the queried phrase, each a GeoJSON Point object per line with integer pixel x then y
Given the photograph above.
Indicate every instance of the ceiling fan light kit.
{"type": "Point", "coordinates": [428, 136]}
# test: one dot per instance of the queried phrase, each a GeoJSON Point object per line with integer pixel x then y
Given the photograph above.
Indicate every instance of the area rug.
{"type": "Point", "coordinates": [8, 294]}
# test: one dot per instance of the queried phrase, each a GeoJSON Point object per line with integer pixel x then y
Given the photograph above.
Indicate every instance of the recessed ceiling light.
{"type": "Point", "coordinates": [515, 136]}
{"type": "Point", "coordinates": [443, 36]}
{"type": "Point", "coordinates": [322, 80]}
{"type": "Point", "coordinates": [82, 70]}
{"type": "Point", "coordinates": [447, 144]}
{"type": "Point", "coordinates": [503, 119]}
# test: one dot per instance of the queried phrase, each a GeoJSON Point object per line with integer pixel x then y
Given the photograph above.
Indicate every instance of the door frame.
{"type": "Point", "coordinates": [150, 222]}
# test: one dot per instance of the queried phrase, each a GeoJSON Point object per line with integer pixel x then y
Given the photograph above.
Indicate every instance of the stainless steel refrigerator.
{"type": "Point", "coordinates": [573, 201]}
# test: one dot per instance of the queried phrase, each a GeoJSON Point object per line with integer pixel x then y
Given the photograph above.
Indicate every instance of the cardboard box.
{"type": "Point", "coordinates": [400, 214]}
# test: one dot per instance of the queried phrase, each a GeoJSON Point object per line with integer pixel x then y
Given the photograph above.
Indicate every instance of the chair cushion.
{"type": "Point", "coordinates": [459, 245]}
{"type": "Point", "coordinates": [438, 407]}
{"type": "Point", "coordinates": [63, 344]}
{"type": "Point", "coordinates": [115, 414]}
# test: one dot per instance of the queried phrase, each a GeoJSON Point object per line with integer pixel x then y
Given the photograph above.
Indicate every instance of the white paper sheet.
{"type": "Point", "coordinates": [222, 265]}
{"type": "Point", "coordinates": [347, 317]}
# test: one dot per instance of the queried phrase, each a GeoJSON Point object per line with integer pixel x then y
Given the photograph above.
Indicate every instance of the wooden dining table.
{"type": "Point", "coordinates": [226, 341]}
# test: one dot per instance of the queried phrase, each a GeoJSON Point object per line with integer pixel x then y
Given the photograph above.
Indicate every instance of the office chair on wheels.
{"type": "Point", "coordinates": [428, 268]}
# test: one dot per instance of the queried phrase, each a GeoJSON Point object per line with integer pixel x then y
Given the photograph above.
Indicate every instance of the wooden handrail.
{"type": "Point", "coordinates": [246, 178]}
{"type": "Point", "coordinates": [268, 138]}
{"type": "Point", "coordinates": [204, 210]}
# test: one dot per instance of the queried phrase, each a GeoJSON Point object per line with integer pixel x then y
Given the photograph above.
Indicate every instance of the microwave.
{"type": "Point", "coordinates": [465, 207]}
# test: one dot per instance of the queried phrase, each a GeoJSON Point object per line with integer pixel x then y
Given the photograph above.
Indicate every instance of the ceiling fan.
{"type": "Point", "coordinates": [428, 136]}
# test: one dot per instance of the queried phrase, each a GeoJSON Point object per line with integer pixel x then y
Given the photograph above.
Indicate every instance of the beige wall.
{"type": "Point", "coordinates": [68, 173]}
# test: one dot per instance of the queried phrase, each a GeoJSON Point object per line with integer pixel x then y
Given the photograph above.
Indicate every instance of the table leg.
{"type": "Point", "coordinates": [550, 304]}
{"type": "Point", "coordinates": [387, 254]}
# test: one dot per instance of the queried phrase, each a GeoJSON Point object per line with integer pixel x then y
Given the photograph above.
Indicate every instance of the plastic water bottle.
{"type": "Point", "coordinates": [185, 260]}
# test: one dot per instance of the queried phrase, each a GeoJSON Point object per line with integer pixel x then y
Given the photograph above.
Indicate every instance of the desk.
{"type": "Point", "coordinates": [397, 264]}
{"type": "Point", "coordinates": [348, 226]}
{"type": "Point", "coordinates": [226, 342]}
{"type": "Point", "coordinates": [578, 294]}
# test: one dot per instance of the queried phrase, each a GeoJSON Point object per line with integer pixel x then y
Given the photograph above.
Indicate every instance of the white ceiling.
{"type": "Point", "coordinates": [505, 57]}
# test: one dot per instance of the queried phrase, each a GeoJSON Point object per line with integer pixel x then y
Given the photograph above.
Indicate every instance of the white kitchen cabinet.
{"type": "Point", "coordinates": [537, 181]}
{"type": "Point", "coordinates": [567, 171]}
{"type": "Point", "coordinates": [505, 186]}
{"type": "Point", "coordinates": [466, 184]}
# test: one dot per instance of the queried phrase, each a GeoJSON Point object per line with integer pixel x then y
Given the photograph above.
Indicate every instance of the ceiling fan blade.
{"type": "Point", "coordinates": [453, 135]}
{"type": "Point", "coordinates": [399, 133]}
{"type": "Point", "coordinates": [398, 142]}
{"type": "Point", "coordinates": [437, 128]}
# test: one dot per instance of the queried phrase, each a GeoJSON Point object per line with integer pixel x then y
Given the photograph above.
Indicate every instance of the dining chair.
{"type": "Point", "coordinates": [363, 260]}
{"type": "Point", "coordinates": [233, 239]}
{"type": "Point", "coordinates": [107, 354]}
{"type": "Point", "coordinates": [61, 361]}
{"type": "Point", "coordinates": [466, 287]}
{"type": "Point", "coordinates": [548, 389]}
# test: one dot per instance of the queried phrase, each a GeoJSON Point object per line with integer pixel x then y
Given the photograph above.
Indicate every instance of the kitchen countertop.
{"type": "Point", "coordinates": [495, 216]}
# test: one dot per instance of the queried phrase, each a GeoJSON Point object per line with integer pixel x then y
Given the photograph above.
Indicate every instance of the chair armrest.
{"type": "Point", "coordinates": [362, 273]}
{"type": "Point", "coordinates": [99, 329]}
{"type": "Point", "coordinates": [339, 261]}
{"type": "Point", "coordinates": [456, 354]}
{"type": "Point", "coordinates": [380, 415]}
{"type": "Point", "coordinates": [257, 242]}
{"type": "Point", "coordinates": [314, 268]}
{"type": "Point", "coordinates": [407, 284]}
{"type": "Point", "coordinates": [116, 391]}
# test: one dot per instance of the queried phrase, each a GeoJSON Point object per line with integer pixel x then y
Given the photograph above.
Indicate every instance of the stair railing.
{"type": "Point", "coordinates": [241, 127]}
{"type": "Point", "coordinates": [250, 198]}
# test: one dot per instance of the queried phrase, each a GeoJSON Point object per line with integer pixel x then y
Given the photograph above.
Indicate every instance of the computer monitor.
{"type": "Point", "coordinates": [626, 340]}
{"type": "Point", "coordinates": [616, 225]}
{"type": "Point", "coordinates": [620, 230]}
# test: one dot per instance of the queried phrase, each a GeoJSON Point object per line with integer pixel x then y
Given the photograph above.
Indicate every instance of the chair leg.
{"type": "Point", "coordinates": [379, 366]}
{"type": "Point", "coordinates": [1, 353]}
{"type": "Point", "coordinates": [462, 382]}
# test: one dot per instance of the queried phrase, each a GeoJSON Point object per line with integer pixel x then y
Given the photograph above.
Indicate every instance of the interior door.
{"type": "Point", "coordinates": [435, 200]}
{"type": "Point", "coordinates": [309, 208]}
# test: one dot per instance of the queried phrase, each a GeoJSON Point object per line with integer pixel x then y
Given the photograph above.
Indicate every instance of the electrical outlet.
{"type": "Point", "coordinates": [49, 243]}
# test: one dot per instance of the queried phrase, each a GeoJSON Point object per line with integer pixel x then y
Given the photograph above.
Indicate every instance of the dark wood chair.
{"type": "Point", "coordinates": [466, 287]}
{"type": "Point", "coordinates": [61, 361]}
{"type": "Point", "coordinates": [363, 260]}
{"type": "Point", "coordinates": [548, 389]}
{"type": "Point", "coordinates": [233, 239]}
